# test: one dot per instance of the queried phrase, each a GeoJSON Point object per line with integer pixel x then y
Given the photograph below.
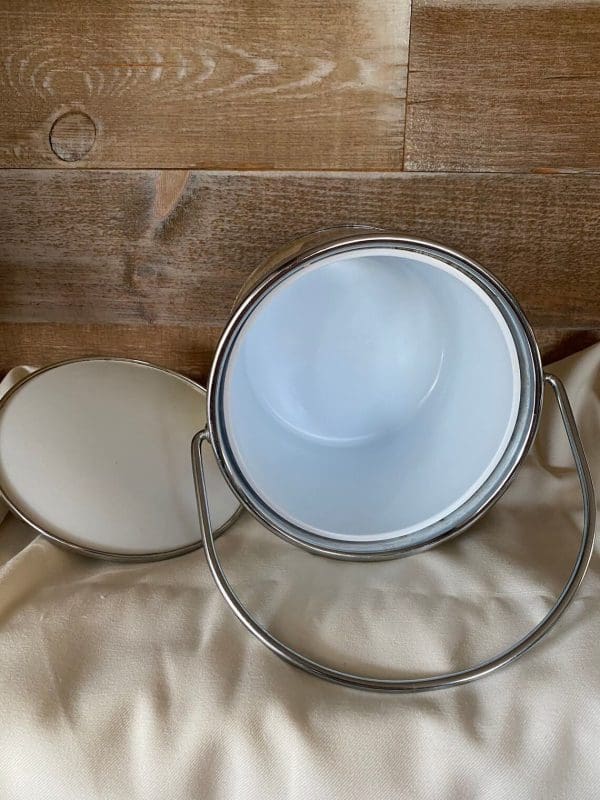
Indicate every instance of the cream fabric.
{"type": "Point", "coordinates": [135, 681]}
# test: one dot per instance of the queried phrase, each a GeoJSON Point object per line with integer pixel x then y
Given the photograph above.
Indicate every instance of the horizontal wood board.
{"type": "Point", "coordinates": [504, 86]}
{"type": "Point", "coordinates": [278, 85]}
{"type": "Point", "coordinates": [147, 264]}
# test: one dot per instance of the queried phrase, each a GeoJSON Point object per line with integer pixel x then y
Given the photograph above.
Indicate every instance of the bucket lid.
{"type": "Point", "coordinates": [95, 454]}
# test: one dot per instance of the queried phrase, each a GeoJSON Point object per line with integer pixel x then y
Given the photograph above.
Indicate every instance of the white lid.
{"type": "Point", "coordinates": [96, 454]}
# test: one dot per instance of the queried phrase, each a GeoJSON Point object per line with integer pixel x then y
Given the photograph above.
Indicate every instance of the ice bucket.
{"type": "Point", "coordinates": [371, 396]}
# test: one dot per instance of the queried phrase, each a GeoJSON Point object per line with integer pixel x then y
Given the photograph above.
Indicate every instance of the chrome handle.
{"type": "Point", "coordinates": [431, 682]}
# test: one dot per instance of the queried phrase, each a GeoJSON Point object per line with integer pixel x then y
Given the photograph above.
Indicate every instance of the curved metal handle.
{"type": "Point", "coordinates": [431, 682]}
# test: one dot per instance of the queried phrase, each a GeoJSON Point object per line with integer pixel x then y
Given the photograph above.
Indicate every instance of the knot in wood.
{"type": "Point", "coordinates": [72, 136]}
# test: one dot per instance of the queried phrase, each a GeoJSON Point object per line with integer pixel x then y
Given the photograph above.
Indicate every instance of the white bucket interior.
{"type": "Point", "coordinates": [371, 394]}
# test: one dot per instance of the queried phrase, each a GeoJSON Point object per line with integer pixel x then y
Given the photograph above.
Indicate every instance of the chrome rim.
{"type": "Point", "coordinates": [477, 505]}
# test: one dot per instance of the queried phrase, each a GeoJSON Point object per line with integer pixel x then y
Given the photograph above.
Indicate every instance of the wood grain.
{"type": "Point", "coordinates": [188, 350]}
{"type": "Point", "coordinates": [285, 84]}
{"type": "Point", "coordinates": [504, 86]}
{"type": "Point", "coordinates": [558, 343]}
{"type": "Point", "coordinates": [148, 263]}
{"type": "Point", "coordinates": [72, 136]}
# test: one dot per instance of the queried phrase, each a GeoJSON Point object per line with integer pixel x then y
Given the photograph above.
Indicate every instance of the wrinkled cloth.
{"type": "Point", "coordinates": [136, 681]}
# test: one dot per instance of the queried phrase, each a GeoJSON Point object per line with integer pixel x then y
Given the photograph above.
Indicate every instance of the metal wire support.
{"type": "Point", "coordinates": [430, 682]}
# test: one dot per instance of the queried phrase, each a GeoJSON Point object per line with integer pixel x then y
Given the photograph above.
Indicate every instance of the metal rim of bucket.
{"type": "Point", "coordinates": [526, 425]}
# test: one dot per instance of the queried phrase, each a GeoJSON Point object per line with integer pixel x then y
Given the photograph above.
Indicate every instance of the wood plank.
{"type": "Point", "coordinates": [557, 343]}
{"type": "Point", "coordinates": [195, 83]}
{"type": "Point", "coordinates": [188, 350]}
{"type": "Point", "coordinates": [498, 85]}
{"type": "Point", "coordinates": [149, 263]}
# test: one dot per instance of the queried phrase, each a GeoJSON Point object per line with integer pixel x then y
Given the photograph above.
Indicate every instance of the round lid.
{"type": "Point", "coordinates": [95, 454]}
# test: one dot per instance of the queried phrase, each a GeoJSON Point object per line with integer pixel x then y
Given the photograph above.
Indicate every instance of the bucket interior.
{"type": "Point", "coordinates": [371, 393]}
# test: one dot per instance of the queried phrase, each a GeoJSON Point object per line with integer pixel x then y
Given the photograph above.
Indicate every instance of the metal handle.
{"type": "Point", "coordinates": [431, 682]}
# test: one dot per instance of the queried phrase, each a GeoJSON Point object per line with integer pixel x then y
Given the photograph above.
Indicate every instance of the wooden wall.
{"type": "Point", "coordinates": [153, 153]}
